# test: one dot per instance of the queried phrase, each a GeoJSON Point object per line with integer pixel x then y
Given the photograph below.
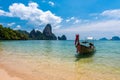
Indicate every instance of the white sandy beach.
{"type": "Point", "coordinates": [29, 70]}
{"type": "Point", "coordinates": [5, 76]}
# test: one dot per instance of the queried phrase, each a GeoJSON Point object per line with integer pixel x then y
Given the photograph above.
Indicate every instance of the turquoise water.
{"type": "Point", "coordinates": [105, 60]}
{"type": "Point", "coordinates": [56, 49]}
{"type": "Point", "coordinates": [107, 52]}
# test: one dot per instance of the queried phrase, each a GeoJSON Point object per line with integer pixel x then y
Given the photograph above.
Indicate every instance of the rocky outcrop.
{"type": "Point", "coordinates": [63, 37]}
{"type": "Point", "coordinates": [47, 32]}
{"type": "Point", "coordinates": [103, 39]}
{"type": "Point", "coordinates": [32, 34]}
{"type": "Point", "coordinates": [36, 35]}
{"type": "Point", "coordinates": [46, 35]}
{"type": "Point", "coordinates": [10, 34]}
{"type": "Point", "coordinates": [115, 38]}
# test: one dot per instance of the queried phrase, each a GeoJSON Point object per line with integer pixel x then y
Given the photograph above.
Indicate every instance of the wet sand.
{"type": "Point", "coordinates": [28, 69]}
{"type": "Point", "coordinates": [15, 68]}
{"type": "Point", "coordinates": [5, 76]}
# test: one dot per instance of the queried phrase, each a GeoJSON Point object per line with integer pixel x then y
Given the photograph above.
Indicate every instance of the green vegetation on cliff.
{"type": "Point", "coordinates": [9, 34]}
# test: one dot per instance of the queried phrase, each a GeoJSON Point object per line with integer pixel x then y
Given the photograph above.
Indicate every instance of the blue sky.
{"type": "Point", "coordinates": [97, 18]}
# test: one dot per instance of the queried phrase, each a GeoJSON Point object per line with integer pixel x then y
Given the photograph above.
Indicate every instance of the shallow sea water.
{"type": "Point", "coordinates": [56, 60]}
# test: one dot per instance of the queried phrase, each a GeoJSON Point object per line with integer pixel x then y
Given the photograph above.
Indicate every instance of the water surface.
{"type": "Point", "coordinates": [56, 59]}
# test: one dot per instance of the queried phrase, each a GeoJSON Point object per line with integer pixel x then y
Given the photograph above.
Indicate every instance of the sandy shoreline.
{"type": "Point", "coordinates": [7, 73]}
{"type": "Point", "coordinates": [46, 73]}
{"type": "Point", "coordinates": [4, 74]}
{"type": "Point", "coordinates": [27, 68]}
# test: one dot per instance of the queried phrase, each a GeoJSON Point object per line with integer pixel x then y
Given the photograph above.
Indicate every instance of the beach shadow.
{"type": "Point", "coordinates": [77, 59]}
{"type": "Point", "coordinates": [82, 56]}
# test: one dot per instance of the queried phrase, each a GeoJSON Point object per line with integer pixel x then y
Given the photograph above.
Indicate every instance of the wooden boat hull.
{"type": "Point", "coordinates": [85, 51]}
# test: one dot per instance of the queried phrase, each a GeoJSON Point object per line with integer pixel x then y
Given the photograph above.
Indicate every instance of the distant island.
{"type": "Point", "coordinates": [63, 37]}
{"type": "Point", "coordinates": [103, 39]}
{"type": "Point", "coordinates": [113, 38]}
{"type": "Point", "coordinates": [7, 33]}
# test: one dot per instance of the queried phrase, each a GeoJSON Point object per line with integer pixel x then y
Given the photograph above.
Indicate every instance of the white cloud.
{"type": "Point", "coordinates": [73, 20]}
{"type": "Point", "coordinates": [97, 29]}
{"type": "Point", "coordinates": [17, 27]}
{"type": "Point", "coordinates": [2, 12]}
{"type": "Point", "coordinates": [109, 25]}
{"type": "Point", "coordinates": [70, 19]}
{"type": "Point", "coordinates": [57, 27]}
{"type": "Point", "coordinates": [67, 20]}
{"type": "Point", "coordinates": [10, 24]}
{"type": "Point", "coordinates": [76, 21]}
{"type": "Point", "coordinates": [51, 3]}
{"type": "Point", "coordinates": [115, 13]}
{"type": "Point", "coordinates": [32, 14]}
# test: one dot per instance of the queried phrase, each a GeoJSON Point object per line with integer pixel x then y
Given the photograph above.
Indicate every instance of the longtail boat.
{"type": "Point", "coordinates": [85, 48]}
{"type": "Point", "coordinates": [85, 51]}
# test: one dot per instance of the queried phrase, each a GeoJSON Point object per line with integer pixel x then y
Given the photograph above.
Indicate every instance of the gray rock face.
{"type": "Point", "coordinates": [47, 32]}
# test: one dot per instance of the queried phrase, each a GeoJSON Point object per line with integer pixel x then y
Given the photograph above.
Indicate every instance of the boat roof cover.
{"type": "Point", "coordinates": [90, 38]}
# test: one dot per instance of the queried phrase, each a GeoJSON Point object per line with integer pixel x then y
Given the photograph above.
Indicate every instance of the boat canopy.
{"type": "Point", "coordinates": [90, 38]}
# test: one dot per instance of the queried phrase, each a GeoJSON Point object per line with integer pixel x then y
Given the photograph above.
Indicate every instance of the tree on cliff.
{"type": "Point", "coordinates": [9, 34]}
